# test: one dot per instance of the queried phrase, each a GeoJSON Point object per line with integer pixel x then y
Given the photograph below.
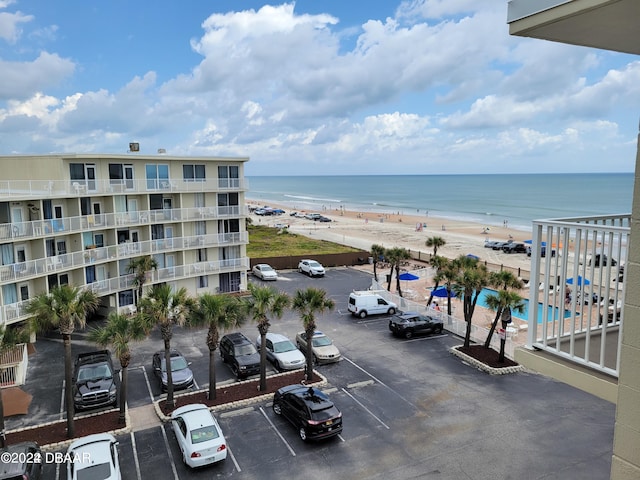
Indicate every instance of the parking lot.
{"type": "Point", "coordinates": [410, 409]}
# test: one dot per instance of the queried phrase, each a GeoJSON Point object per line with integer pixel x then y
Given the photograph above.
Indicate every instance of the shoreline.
{"type": "Point", "coordinates": [361, 229]}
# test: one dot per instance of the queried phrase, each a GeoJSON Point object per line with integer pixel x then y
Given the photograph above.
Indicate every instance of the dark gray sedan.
{"type": "Point", "coordinates": [409, 324]}
{"type": "Point", "coordinates": [181, 374]}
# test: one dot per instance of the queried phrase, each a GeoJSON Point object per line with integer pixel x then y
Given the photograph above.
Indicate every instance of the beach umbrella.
{"type": "Point", "coordinates": [475, 257]}
{"type": "Point", "coordinates": [581, 281]}
{"type": "Point", "coordinates": [408, 276]}
{"type": "Point", "coordinates": [441, 292]}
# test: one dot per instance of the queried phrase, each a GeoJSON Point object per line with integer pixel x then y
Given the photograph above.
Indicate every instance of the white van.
{"type": "Point", "coordinates": [365, 302]}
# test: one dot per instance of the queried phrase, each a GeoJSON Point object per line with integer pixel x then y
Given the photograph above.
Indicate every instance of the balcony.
{"type": "Point", "coordinates": [46, 228]}
{"type": "Point", "coordinates": [16, 312]}
{"type": "Point", "coordinates": [34, 189]}
{"type": "Point", "coordinates": [576, 305]}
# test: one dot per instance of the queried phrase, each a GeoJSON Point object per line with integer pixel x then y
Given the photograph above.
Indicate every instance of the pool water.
{"type": "Point", "coordinates": [552, 312]}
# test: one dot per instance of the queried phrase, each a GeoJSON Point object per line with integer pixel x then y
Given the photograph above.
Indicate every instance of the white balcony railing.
{"type": "Point", "coordinates": [60, 226]}
{"type": "Point", "coordinates": [34, 189]}
{"type": "Point", "coordinates": [577, 289]}
{"type": "Point", "coordinates": [17, 311]}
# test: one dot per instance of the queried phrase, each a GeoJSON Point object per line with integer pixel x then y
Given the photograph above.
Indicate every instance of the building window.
{"type": "Point", "coordinates": [203, 281]}
{"type": "Point", "coordinates": [76, 171]}
{"type": "Point", "coordinates": [125, 298]}
{"type": "Point", "coordinates": [157, 176]}
{"type": "Point", "coordinates": [228, 176]}
{"type": "Point", "coordinates": [191, 173]}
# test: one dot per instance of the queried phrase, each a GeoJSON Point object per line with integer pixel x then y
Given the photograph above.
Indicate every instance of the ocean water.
{"type": "Point", "coordinates": [487, 199]}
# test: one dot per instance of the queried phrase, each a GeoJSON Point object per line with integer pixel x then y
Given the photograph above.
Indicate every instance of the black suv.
{"type": "Point", "coordinates": [409, 324]}
{"type": "Point", "coordinates": [239, 353]}
{"type": "Point", "coordinates": [309, 410]}
{"type": "Point", "coordinates": [94, 381]}
{"type": "Point", "coordinates": [24, 462]}
{"type": "Point", "coordinates": [514, 248]}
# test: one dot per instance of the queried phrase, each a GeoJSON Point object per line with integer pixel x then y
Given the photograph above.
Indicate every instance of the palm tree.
{"type": "Point", "coordinates": [472, 277]}
{"type": "Point", "coordinates": [140, 266]}
{"type": "Point", "coordinates": [401, 255]}
{"type": "Point", "coordinates": [447, 275]}
{"type": "Point", "coordinates": [118, 332]}
{"type": "Point", "coordinates": [308, 303]}
{"type": "Point", "coordinates": [9, 338]}
{"type": "Point", "coordinates": [435, 243]}
{"type": "Point", "coordinates": [265, 301]}
{"type": "Point", "coordinates": [390, 255]}
{"type": "Point", "coordinates": [439, 263]}
{"type": "Point", "coordinates": [218, 312]}
{"type": "Point", "coordinates": [65, 307]}
{"type": "Point", "coordinates": [504, 298]}
{"type": "Point", "coordinates": [165, 308]}
{"type": "Point", "coordinates": [377, 251]}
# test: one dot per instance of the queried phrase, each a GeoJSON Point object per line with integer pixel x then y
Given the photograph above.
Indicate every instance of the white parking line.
{"type": "Point", "coordinates": [166, 444]}
{"type": "Point", "coordinates": [135, 456]}
{"type": "Point", "coordinates": [430, 337]}
{"type": "Point", "coordinates": [233, 457]}
{"type": "Point", "coordinates": [366, 409]}
{"type": "Point", "coordinates": [379, 381]}
{"type": "Point", "coordinates": [146, 379]}
{"type": "Point", "coordinates": [278, 433]}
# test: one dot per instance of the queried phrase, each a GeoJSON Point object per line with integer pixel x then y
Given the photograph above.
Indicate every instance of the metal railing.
{"type": "Point", "coordinates": [16, 312]}
{"type": "Point", "coordinates": [13, 366]}
{"type": "Point", "coordinates": [63, 226]}
{"type": "Point", "coordinates": [576, 308]}
{"type": "Point", "coordinates": [17, 189]}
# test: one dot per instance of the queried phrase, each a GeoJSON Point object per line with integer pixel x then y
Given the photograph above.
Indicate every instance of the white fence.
{"type": "Point", "coordinates": [452, 323]}
{"type": "Point", "coordinates": [13, 366]}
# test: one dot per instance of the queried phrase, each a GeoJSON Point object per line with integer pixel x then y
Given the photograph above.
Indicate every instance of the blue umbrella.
{"type": "Point", "coordinates": [408, 276]}
{"type": "Point", "coordinates": [441, 292]}
{"type": "Point", "coordinates": [581, 281]}
{"type": "Point", "coordinates": [475, 257]}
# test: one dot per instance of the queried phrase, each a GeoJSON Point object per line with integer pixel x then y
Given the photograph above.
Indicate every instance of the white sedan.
{"type": "Point", "coordinates": [199, 436]}
{"type": "Point", "coordinates": [322, 347]}
{"type": "Point", "coordinates": [264, 272]}
{"type": "Point", "coordinates": [311, 268]}
{"type": "Point", "coordinates": [94, 456]}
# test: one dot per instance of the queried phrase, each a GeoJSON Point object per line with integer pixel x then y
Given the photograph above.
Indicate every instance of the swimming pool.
{"type": "Point", "coordinates": [552, 312]}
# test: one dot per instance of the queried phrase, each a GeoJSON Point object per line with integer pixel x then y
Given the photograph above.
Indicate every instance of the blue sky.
{"type": "Point", "coordinates": [313, 87]}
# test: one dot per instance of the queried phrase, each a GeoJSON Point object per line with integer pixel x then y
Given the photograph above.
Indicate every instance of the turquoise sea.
{"type": "Point", "coordinates": [486, 199]}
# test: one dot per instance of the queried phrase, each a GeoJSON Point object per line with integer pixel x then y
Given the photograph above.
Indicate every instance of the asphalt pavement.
{"type": "Point", "coordinates": [410, 409]}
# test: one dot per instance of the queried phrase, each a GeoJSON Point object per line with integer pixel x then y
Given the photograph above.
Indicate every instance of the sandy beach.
{"type": "Point", "coordinates": [363, 229]}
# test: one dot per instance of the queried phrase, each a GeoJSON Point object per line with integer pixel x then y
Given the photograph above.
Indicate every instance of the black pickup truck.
{"type": "Point", "coordinates": [95, 383]}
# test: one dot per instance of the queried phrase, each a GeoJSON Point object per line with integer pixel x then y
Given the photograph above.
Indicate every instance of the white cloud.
{"type": "Point", "coordinates": [10, 24]}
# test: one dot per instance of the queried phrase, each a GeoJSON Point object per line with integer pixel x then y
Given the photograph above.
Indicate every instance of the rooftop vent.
{"type": "Point", "coordinates": [162, 150]}
{"type": "Point", "coordinates": [134, 147]}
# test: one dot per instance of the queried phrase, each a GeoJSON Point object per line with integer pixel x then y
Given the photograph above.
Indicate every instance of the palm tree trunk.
{"type": "Point", "coordinates": [167, 361]}
{"type": "Point", "coordinates": [467, 317]}
{"type": "Point", "coordinates": [68, 385]}
{"type": "Point", "coordinates": [263, 328]}
{"type": "Point", "coordinates": [122, 419]}
{"type": "Point", "coordinates": [398, 279]}
{"type": "Point", "coordinates": [375, 271]}
{"type": "Point", "coordinates": [309, 353]}
{"type": "Point", "coordinates": [212, 375]}
{"type": "Point", "coordinates": [494, 324]}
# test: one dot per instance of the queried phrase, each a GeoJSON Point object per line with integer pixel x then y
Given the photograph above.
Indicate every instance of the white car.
{"type": "Point", "coordinates": [282, 353]}
{"type": "Point", "coordinates": [324, 351]}
{"type": "Point", "coordinates": [311, 268]}
{"type": "Point", "coordinates": [95, 457]}
{"type": "Point", "coordinates": [264, 272]}
{"type": "Point", "coordinates": [199, 436]}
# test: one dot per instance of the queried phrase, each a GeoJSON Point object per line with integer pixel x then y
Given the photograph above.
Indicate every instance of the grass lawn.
{"type": "Point", "coordinates": [272, 242]}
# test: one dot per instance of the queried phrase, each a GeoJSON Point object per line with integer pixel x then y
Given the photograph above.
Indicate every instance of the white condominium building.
{"type": "Point", "coordinates": [81, 219]}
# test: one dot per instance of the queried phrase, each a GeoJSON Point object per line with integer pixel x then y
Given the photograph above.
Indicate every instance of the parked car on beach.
{"type": "Point", "coordinates": [514, 247]}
